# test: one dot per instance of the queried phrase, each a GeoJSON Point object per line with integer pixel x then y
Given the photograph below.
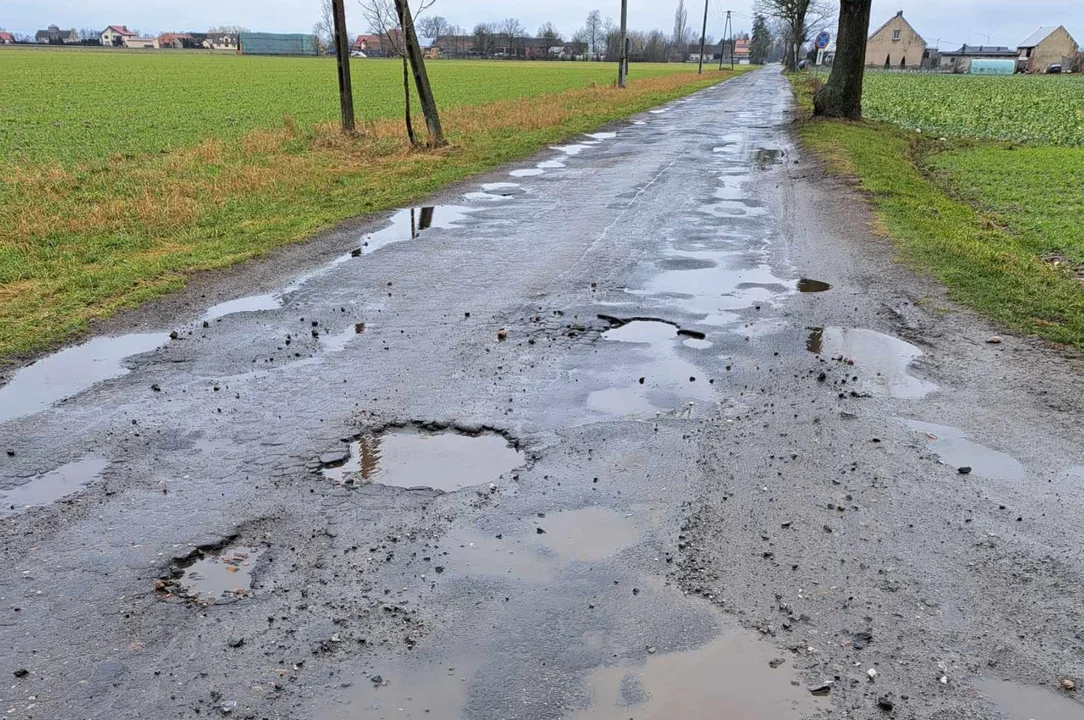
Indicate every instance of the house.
{"type": "Point", "coordinates": [960, 61]}
{"type": "Point", "coordinates": [526, 48]}
{"type": "Point", "coordinates": [220, 41]}
{"type": "Point", "coordinates": [895, 45]}
{"type": "Point", "coordinates": [455, 45]}
{"type": "Point", "coordinates": [55, 36]}
{"type": "Point", "coordinates": [141, 43]}
{"type": "Point", "coordinates": [115, 35]}
{"type": "Point", "coordinates": [176, 40]}
{"type": "Point", "coordinates": [1049, 45]}
{"type": "Point", "coordinates": [374, 45]}
{"type": "Point", "coordinates": [6, 38]}
{"type": "Point", "coordinates": [742, 51]}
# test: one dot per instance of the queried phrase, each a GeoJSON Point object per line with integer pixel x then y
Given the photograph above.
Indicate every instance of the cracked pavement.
{"type": "Point", "coordinates": [742, 434]}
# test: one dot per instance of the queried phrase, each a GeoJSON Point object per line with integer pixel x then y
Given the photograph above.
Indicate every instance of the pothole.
{"type": "Point", "coordinates": [209, 576]}
{"type": "Point", "coordinates": [447, 460]}
{"type": "Point", "coordinates": [884, 361]}
{"type": "Point", "coordinates": [52, 486]}
{"type": "Point", "coordinates": [805, 285]}
{"type": "Point", "coordinates": [955, 450]}
{"type": "Point", "coordinates": [1022, 702]}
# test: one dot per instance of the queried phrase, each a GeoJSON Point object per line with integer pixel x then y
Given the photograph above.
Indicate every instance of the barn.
{"type": "Point", "coordinates": [257, 43]}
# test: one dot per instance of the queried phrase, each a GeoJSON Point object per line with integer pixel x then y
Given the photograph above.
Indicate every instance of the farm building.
{"type": "Point", "coordinates": [141, 43]}
{"type": "Point", "coordinates": [6, 38]}
{"type": "Point", "coordinates": [961, 61]}
{"type": "Point", "coordinates": [1049, 45]}
{"type": "Point", "coordinates": [115, 36]}
{"type": "Point", "coordinates": [55, 36]}
{"type": "Point", "coordinates": [895, 45]}
{"type": "Point", "coordinates": [254, 43]}
{"type": "Point", "coordinates": [176, 40]}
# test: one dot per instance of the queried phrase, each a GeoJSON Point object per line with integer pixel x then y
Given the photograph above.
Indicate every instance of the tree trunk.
{"type": "Point", "coordinates": [421, 78]}
{"type": "Point", "coordinates": [842, 95]}
{"type": "Point", "coordinates": [406, 98]}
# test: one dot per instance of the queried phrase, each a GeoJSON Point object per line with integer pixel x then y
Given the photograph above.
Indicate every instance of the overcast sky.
{"type": "Point", "coordinates": [998, 22]}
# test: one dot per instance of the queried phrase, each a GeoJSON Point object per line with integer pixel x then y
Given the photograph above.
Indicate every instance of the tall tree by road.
{"type": "Point", "coordinates": [761, 42]}
{"type": "Point", "coordinates": [324, 29]}
{"type": "Point", "coordinates": [682, 32]}
{"type": "Point", "coordinates": [593, 26]}
{"type": "Point", "coordinates": [842, 95]}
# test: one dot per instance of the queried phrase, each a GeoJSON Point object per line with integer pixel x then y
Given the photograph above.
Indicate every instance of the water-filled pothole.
{"type": "Point", "coordinates": [1022, 702]}
{"type": "Point", "coordinates": [52, 486]}
{"type": "Point", "coordinates": [884, 360]}
{"type": "Point", "coordinates": [954, 449]}
{"type": "Point", "coordinates": [805, 285]}
{"type": "Point", "coordinates": [446, 461]}
{"type": "Point", "coordinates": [212, 576]}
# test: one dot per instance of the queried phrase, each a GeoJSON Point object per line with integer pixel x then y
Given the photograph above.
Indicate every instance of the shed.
{"type": "Point", "coordinates": [256, 43]}
{"type": "Point", "coordinates": [1046, 46]}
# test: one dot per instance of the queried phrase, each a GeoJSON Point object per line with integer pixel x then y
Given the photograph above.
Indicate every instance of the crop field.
{"type": "Point", "coordinates": [121, 173]}
{"type": "Point", "coordinates": [75, 105]}
{"type": "Point", "coordinates": [1020, 108]}
{"type": "Point", "coordinates": [987, 197]}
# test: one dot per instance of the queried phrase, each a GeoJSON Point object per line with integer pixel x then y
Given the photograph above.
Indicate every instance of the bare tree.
{"type": "Point", "coordinates": [228, 29]}
{"type": "Point", "coordinates": [798, 18]}
{"type": "Point", "coordinates": [324, 29]}
{"type": "Point", "coordinates": [581, 43]}
{"type": "Point", "coordinates": [483, 38]}
{"type": "Point", "coordinates": [511, 28]}
{"type": "Point", "coordinates": [383, 19]}
{"type": "Point", "coordinates": [594, 29]}
{"type": "Point", "coordinates": [842, 95]}
{"type": "Point", "coordinates": [89, 35]}
{"type": "Point", "coordinates": [550, 32]}
{"type": "Point", "coordinates": [434, 26]}
{"type": "Point", "coordinates": [682, 32]}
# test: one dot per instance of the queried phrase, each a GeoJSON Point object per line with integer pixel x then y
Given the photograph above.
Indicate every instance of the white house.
{"type": "Point", "coordinates": [115, 36]}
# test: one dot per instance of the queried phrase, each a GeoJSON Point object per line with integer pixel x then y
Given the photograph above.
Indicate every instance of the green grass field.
{"type": "Point", "coordinates": [85, 105]}
{"type": "Point", "coordinates": [994, 209]}
{"type": "Point", "coordinates": [121, 173]}
{"type": "Point", "coordinates": [1022, 108]}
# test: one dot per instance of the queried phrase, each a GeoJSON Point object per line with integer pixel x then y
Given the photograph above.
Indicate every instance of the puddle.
{"type": "Point", "coordinates": [221, 576]}
{"type": "Point", "coordinates": [602, 135]}
{"type": "Point", "coordinates": [1023, 702]}
{"type": "Point", "coordinates": [339, 341]}
{"type": "Point", "coordinates": [805, 285]}
{"type": "Point", "coordinates": [639, 122]}
{"type": "Point", "coordinates": [659, 383]}
{"type": "Point", "coordinates": [880, 361]}
{"type": "Point", "coordinates": [660, 111]}
{"type": "Point", "coordinates": [955, 450]}
{"type": "Point", "coordinates": [729, 677]}
{"type": "Point", "coordinates": [697, 343]}
{"type": "Point", "coordinates": [69, 372]}
{"type": "Point", "coordinates": [52, 486]}
{"type": "Point", "coordinates": [445, 461]}
{"type": "Point", "coordinates": [409, 223]}
{"type": "Point", "coordinates": [642, 331]}
{"type": "Point", "coordinates": [574, 149]}
{"type": "Point", "coordinates": [253, 303]}
{"type": "Point", "coordinates": [550, 165]}
{"type": "Point", "coordinates": [526, 172]}
{"type": "Point", "coordinates": [769, 156]}
{"type": "Point", "coordinates": [484, 196]}
{"type": "Point", "coordinates": [503, 188]}
{"type": "Point", "coordinates": [433, 690]}
{"type": "Point", "coordinates": [590, 534]}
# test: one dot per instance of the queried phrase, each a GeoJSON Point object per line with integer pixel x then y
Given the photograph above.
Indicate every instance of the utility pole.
{"type": "Point", "coordinates": [703, 38]}
{"type": "Point", "coordinates": [421, 78]}
{"type": "Point", "coordinates": [727, 27]}
{"type": "Point", "coordinates": [342, 60]}
{"type": "Point", "coordinates": [623, 59]}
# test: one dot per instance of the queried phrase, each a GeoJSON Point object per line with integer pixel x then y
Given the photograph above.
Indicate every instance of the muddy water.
{"type": "Point", "coordinates": [954, 449]}
{"type": "Point", "coordinates": [881, 362]}
{"type": "Point", "coordinates": [52, 486]}
{"type": "Point", "coordinates": [71, 371]}
{"type": "Point", "coordinates": [224, 575]}
{"type": "Point", "coordinates": [440, 461]}
{"type": "Point", "coordinates": [1023, 702]}
{"type": "Point", "coordinates": [392, 691]}
{"type": "Point", "coordinates": [805, 285]}
{"type": "Point", "coordinates": [727, 678]}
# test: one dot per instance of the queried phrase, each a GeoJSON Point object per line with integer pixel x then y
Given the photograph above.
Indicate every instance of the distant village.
{"type": "Point", "coordinates": [896, 45]}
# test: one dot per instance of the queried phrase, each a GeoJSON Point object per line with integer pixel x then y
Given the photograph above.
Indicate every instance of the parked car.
{"type": "Point", "coordinates": [1054, 69]}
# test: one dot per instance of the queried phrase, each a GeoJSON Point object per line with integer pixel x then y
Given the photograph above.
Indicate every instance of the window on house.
{"type": "Point", "coordinates": [896, 35]}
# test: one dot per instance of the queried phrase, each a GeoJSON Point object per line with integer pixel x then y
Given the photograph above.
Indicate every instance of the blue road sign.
{"type": "Point", "coordinates": [822, 40]}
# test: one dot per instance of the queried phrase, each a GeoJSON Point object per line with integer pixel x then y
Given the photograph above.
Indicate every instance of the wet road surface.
{"type": "Point", "coordinates": [649, 426]}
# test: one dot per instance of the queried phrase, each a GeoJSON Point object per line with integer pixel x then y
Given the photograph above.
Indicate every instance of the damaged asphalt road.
{"type": "Point", "coordinates": [650, 426]}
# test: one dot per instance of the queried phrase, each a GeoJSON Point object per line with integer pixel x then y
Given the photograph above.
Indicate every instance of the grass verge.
{"type": "Point", "coordinates": [80, 241]}
{"type": "Point", "coordinates": [997, 224]}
